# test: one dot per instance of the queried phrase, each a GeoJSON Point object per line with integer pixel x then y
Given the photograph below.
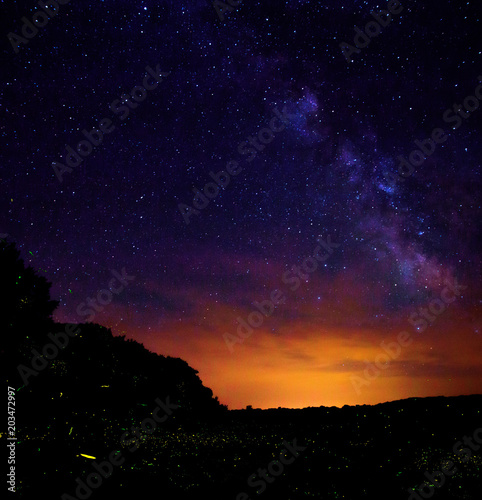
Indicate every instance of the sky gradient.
{"type": "Point", "coordinates": [313, 144]}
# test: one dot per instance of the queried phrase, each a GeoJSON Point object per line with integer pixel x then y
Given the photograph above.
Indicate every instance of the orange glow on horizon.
{"type": "Point", "coordinates": [312, 358]}
{"type": "Point", "coordinates": [315, 368]}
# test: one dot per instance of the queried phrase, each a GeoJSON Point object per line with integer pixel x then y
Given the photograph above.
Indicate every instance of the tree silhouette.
{"type": "Point", "coordinates": [95, 375]}
{"type": "Point", "coordinates": [26, 308]}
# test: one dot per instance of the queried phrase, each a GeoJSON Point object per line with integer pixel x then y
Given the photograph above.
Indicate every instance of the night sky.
{"type": "Point", "coordinates": [312, 142]}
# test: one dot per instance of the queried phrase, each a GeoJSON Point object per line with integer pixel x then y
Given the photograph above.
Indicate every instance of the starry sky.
{"type": "Point", "coordinates": [312, 141]}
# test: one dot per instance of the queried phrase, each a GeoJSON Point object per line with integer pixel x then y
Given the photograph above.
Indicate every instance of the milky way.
{"type": "Point", "coordinates": [314, 146]}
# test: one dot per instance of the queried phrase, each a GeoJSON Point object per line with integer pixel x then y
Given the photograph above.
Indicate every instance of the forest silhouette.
{"type": "Point", "coordinates": [76, 408]}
